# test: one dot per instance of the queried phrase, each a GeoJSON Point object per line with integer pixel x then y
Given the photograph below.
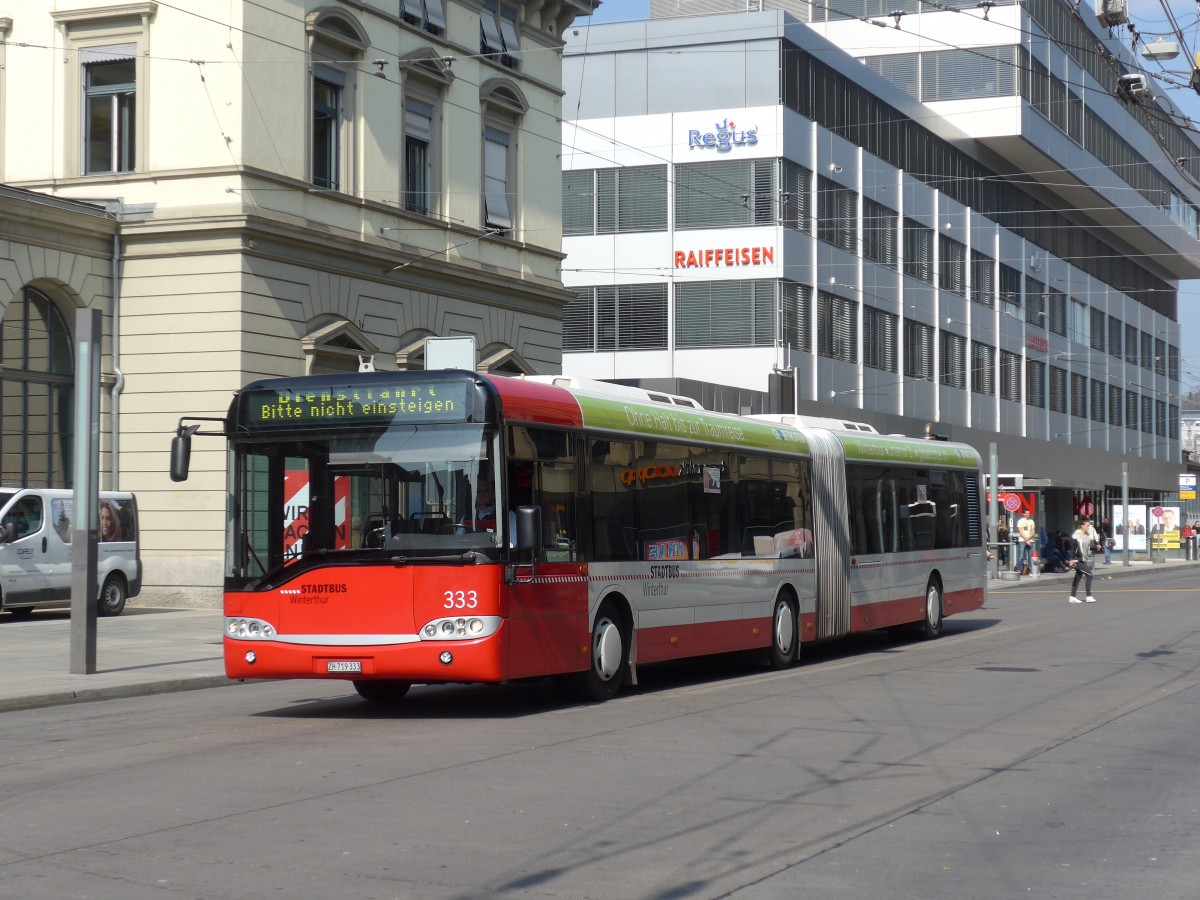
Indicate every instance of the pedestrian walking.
{"type": "Point", "coordinates": [1002, 538]}
{"type": "Point", "coordinates": [1084, 545]}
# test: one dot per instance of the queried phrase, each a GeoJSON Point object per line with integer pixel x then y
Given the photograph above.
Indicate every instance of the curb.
{"type": "Point", "coordinates": [1116, 570]}
{"type": "Point", "coordinates": [114, 692]}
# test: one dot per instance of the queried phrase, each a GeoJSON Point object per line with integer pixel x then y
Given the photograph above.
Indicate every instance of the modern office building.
{"type": "Point", "coordinates": [971, 221]}
{"type": "Point", "coordinates": [250, 189]}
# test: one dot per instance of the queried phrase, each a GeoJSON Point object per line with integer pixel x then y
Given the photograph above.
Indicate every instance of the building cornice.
{"type": "Point", "coordinates": [145, 10]}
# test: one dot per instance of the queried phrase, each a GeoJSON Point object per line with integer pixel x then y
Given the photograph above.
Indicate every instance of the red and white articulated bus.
{"type": "Point", "coordinates": [620, 531]}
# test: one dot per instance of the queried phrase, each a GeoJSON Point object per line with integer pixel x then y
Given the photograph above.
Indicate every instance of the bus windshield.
{"type": "Point", "coordinates": [413, 491]}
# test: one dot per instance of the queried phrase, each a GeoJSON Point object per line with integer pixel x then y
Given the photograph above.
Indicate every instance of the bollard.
{"type": "Point", "coordinates": [1035, 567]}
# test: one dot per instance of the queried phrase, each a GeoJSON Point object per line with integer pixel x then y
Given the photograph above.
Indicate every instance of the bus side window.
{"type": "Point", "coordinates": [557, 499]}
{"type": "Point", "coordinates": [612, 486]}
{"type": "Point", "coordinates": [710, 492]}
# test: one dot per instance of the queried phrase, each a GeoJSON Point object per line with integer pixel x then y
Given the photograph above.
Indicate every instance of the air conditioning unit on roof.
{"type": "Point", "coordinates": [1158, 49]}
{"type": "Point", "coordinates": [1135, 87]}
{"type": "Point", "coordinates": [1112, 12]}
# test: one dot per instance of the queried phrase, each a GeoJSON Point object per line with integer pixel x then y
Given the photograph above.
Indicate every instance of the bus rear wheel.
{"type": "Point", "coordinates": [384, 692]}
{"type": "Point", "coordinates": [606, 674]}
{"type": "Point", "coordinates": [785, 636]}
{"type": "Point", "coordinates": [931, 627]}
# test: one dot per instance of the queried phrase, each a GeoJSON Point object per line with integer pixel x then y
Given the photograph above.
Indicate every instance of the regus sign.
{"type": "Point", "coordinates": [725, 137]}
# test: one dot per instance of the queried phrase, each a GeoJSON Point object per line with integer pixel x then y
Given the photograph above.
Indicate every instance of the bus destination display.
{"type": "Point", "coordinates": [340, 405]}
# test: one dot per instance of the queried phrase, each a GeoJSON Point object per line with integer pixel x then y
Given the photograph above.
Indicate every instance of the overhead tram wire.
{"type": "Point", "coordinates": [555, 139]}
{"type": "Point", "coordinates": [529, 132]}
{"type": "Point", "coordinates": [769, 29]}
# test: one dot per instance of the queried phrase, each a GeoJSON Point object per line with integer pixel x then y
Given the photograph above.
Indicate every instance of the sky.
{"type": "Point", "coordinates": [1151, 20]}
{"type": "Point", "coordinates": [618, 11]}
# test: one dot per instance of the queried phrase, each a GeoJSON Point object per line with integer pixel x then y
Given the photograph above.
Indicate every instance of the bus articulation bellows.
{"type": "Point", "coordinates": [392, 528]}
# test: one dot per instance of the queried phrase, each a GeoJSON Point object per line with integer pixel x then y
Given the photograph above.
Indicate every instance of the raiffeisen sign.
{"type": "Point", "coordinates": [724, 257]}
{"type": "Point", "coordinates": [724, 138]}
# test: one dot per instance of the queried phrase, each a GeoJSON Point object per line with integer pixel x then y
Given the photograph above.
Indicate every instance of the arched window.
{"type": "Point", "coordinates": [503, 105]}
{"type": "Point", "coordinates": [37, 380]}
{"type": "Point", "coordinates": [336, 42]}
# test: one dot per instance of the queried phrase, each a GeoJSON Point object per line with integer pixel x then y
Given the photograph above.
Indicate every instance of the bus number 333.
{"type": "Point", "coordinates": [461, 600]}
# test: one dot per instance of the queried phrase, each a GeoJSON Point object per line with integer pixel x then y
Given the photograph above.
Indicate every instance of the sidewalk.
{"type": "Point", "coordinates": [1062, 580]}
{"type": "Point", "coordinates": [145, 650]}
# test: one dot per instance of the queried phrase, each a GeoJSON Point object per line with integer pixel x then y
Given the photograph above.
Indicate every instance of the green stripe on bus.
{"type": "Point", "coordinates": [884, 449]}
{"type": "Point", "coordinates": [687, 425]}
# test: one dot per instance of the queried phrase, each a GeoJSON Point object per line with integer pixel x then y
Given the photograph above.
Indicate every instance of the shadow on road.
{"type": "Point", "coordinates": [531, 698]}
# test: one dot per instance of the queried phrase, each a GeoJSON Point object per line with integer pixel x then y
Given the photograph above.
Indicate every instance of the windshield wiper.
{"type": "Point", "coordinates": [468, 556]}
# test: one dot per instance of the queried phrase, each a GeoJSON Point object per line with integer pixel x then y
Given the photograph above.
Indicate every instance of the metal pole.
{"type": "Point", "coordinates": [1125, 506]}
{"type": "Point", "coordinates": [993, 491]}
{"type": "Point", "coordinates": [85, 517]}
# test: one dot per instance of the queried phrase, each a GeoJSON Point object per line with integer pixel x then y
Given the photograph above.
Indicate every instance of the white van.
{"type": "Point", "coordinates": [35, 550]}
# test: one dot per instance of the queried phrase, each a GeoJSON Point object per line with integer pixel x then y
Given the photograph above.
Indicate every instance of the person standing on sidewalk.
{"type": "Point", "coordinates": [1026, 535]}
{"type": "Point", "coordinates": [1106, 538]}
{"type": "Point", "coordinates": [1083, 545]}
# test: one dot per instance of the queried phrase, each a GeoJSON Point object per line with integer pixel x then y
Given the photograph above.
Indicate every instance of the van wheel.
{"type": "Point", "coordinates": [19, 612]}
{"type": "Point", "coordinates": [112, 596]}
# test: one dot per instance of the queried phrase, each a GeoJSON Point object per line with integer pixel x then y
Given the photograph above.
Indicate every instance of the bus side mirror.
{"type": "Point", "coordinates": [181, 452]}
{"type": "Point", "coordinates": [529, 527]}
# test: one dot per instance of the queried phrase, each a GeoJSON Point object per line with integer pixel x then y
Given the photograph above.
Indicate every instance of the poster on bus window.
{"type": "Point", "coordinates": [295, 512]}
{"type": "Point", "coordinates": [1129, 525]}
{"type": "Point", "coordinates": [712, 479]}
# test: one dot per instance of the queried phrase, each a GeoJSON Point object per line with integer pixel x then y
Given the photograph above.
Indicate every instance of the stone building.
{"type": "Point", "coordinates": [259, 189]}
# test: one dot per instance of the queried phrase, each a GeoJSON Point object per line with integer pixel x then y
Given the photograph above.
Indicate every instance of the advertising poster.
{"type": "Point", "coordinates": [295, 512]}
{"type": "Point", "coordinates": [1164, 528]}
{"type": "Point", "coordinates": [1129, 525]}
{"type": "Point", "coordinates": [116, 519]}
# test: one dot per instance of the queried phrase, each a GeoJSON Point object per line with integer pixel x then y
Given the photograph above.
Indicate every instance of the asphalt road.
{"type": "Point", "coordinates": [1039, 749]}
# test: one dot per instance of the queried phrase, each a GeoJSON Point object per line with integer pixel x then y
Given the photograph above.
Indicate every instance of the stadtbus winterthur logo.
{"type": "Point", "coordinates": [725, 137]}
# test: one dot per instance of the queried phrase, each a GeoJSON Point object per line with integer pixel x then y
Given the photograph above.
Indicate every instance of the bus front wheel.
{"type": "Point", "coordinates": [932, 626]}
{"type": "Point", "coordinates": [606, 674]}
{"type": "Point", "coordinates": [385, 692]}
{"type": "Point", "coordinates": [785, 636]}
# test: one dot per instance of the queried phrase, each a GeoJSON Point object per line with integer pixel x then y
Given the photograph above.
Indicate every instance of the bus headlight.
{"type": "Point", "coordinates": [460, 628]}
{"type": "Point", "coordinates": [243, 629]}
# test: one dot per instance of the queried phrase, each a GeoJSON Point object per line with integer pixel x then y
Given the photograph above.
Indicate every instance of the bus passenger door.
{"type": "Point", "coordinates": [547, 623]}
